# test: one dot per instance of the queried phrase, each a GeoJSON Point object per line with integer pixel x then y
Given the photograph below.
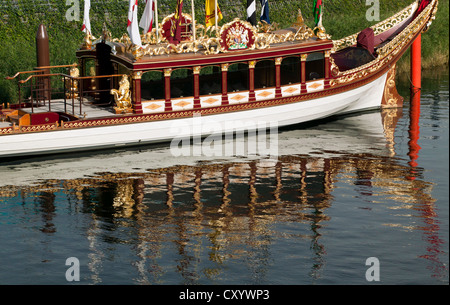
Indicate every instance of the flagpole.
{"type": "Point", "coordinates": [215, 11]}
{"type": "Point", "coordinates": [193, 20]}
{"type": "Point", "coordinates": [156, 21]}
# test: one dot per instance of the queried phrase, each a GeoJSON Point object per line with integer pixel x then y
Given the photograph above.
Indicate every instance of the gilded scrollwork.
{"type": "Point", "coordinates": [386, 53]}
{"type": "Point", "coordinates": [377, 28]}
{"type": "Point", "coordinates": [391, 99]}
{"type": "Point", "coordinates": [209, 39]}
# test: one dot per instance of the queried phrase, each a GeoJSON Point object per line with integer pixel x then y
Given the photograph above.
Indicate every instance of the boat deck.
{"type": "Point", "coordinates": [88, 110]}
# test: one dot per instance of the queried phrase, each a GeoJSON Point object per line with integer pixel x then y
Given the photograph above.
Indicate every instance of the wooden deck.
{"type": "Point", "coordinates": [88, 110]}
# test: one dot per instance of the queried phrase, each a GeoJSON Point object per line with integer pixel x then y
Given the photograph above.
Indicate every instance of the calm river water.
{"type": "Point", "coordinates": [348, 200]}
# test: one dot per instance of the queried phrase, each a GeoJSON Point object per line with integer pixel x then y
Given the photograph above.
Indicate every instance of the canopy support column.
{"type": "Point", "coordinates": [137, 99]}
{"type": "Point", "coordinates": [251, 81]}
{"type": "Point", "coordinates": [196, 73]}
{"type": "Point", "coordinates": [303, 73]}
{"type": "Point", "coordinates": [327, 69]}
{"type": "Point", "coordinates": [278, 61]}
{"type": "Point", "coordinates": [168, 100]}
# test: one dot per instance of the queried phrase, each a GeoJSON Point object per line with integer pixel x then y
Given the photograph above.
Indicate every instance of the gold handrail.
{"type": "Point", "coordinates": [22, 72]}
{"type": "Point", "coordinates": [54, 67]}
{"type": "Point", "coordinates": [39, 70]}
{"type": "Point", "coordinates": [68, 76]}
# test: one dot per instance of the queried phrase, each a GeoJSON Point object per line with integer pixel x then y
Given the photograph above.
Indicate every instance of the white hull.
{"type": "Point", "coordinates": [365, 97]}
{"type": "Point", "coordinates": [362, 133]}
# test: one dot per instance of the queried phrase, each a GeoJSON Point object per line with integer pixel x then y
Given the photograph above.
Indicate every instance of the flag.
{"type": "Point", "coordinates": [211, 13]}
{"type": "Point", "coordinates": [132, 26]}
{"type": "Point", "coordinates": [265, 11]}
{"type": "Point", "coordinates": [148, 17]}
{"type": "Point", "coordinates": [251, 11]}
{"type": "Point", "coordinates": [86, 21]}
{"type": "Point", "coordinates": [175, 29]}
{"type": "Point", "coordinates": [317, 11]}
{"type": "Point", "coordinates": [422, 5]}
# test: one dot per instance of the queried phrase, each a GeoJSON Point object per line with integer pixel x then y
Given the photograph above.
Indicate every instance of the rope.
{"type": "Point", "coordinates": [414, 89]}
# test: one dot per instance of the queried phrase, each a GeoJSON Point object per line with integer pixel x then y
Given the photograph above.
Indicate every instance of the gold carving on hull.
{"type": "Point", "coordinates": [391, 98]}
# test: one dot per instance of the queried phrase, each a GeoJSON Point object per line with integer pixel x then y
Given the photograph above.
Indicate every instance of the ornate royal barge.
{"type": "Point", "coordinates": [120, 93]}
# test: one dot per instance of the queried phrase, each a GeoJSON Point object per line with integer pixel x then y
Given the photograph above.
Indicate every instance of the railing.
{"type": "Point", "coordinates": [18, 77]}
{"type": "Point", "coordinates": [45, 87]}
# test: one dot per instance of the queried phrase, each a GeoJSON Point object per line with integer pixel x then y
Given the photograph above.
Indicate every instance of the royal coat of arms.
{"type": "Point", "coordinates": [237, 35]}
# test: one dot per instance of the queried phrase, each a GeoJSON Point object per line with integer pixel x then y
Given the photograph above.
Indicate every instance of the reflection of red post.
{"type": "Point", "coordinates": [414, 130]}
{"type": "Point", "coordinates": [416, 78]}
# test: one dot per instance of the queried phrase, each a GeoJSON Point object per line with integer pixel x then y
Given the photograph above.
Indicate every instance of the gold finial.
{"type": "Point", "coordinates": [303, 31]}
{"type": "Point", "coordinates": [300, 21]}
{"type": "Point", "coordinates": [87, 44]}
{"type": "Point", "coordinates": [106, 35]}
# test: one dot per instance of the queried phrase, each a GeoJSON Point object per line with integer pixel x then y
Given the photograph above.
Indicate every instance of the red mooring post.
{"type": "Point", "coordinates": [416, 64]}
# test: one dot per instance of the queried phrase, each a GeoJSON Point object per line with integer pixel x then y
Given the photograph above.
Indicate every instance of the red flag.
{"type": "Point", "coordinates": [423, 4]}
{"type": "Point", "coordinates": [175, 29]}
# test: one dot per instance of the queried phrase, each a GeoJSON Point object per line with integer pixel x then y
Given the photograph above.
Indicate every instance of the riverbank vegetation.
{"type": "Point", "coordinates": [63, 19]}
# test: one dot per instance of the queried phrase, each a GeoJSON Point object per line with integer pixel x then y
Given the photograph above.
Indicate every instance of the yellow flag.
{"type": "Point", "coordinates": [211, 13]}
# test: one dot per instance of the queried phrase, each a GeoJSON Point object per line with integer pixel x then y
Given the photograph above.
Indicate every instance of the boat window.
{"type": "Point", "coordinates": [89, 68]}
{"type": "Point", "coordinates": [315, 66]}
{"type": "Point", "coordinates": [210, 80]}
{"type": "Point", "coordinates": [237, 77]}
{"type": "Point", "coordinates": [123, 70]}
{"type": "Point", "coordinates": [264, 74]}
{"type": "Point", "coordinates": [290, 70]}
{"type": "Point", "coordinates": [89, 85]}
{"type": "Point", "coordinates": [152, 85]}
{"type": "Point", "coordinates": [181, 83]}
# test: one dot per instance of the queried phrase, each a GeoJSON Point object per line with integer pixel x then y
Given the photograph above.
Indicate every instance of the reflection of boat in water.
{"type": "Point", "coordinates": [223, 208]}
{"type": "Point", "coordinates": [286, 76]}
